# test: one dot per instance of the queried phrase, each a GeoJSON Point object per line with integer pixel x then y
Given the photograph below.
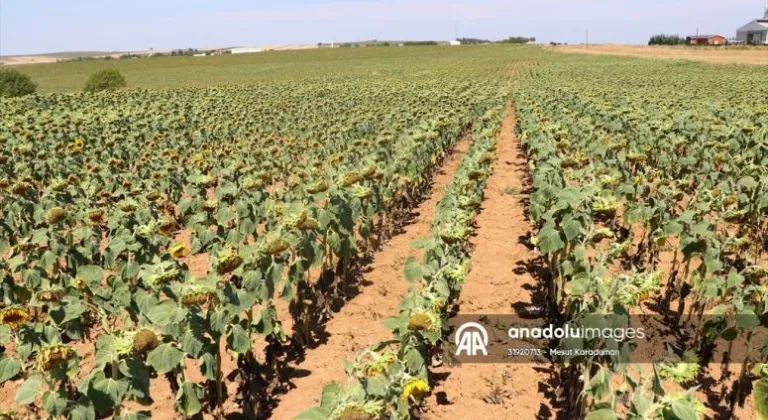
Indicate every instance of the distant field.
{"type": "Point", "coordinates": [721, 55]}
{"type": "Point", "coordinates": [166, 72]}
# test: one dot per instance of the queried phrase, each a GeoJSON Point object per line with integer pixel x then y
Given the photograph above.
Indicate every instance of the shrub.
{"type": "Point", "coordinates": [664, 39]}
{"type": "Point", "coordinates": [15, 83]}
{"type": "Point", "coordinates": [110, 79]}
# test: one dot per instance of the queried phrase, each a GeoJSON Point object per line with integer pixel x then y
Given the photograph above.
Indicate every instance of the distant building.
{"type": "Point", "coordinates": [706, 40]}
{"type": "Point", "coordinates": [755, 32]}
{"type": "Point", "coordinates": [246, 50]}
{"type": "Point", "coordinates": [455, 42]}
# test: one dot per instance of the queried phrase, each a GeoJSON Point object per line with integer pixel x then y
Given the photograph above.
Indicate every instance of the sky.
{"type": "Point", "coordinates": [43, 26]}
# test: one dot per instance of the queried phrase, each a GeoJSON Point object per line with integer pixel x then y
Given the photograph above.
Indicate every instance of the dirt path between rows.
{"type": "Point", "coordinates": [497, 284]}
{"type": "Point", "coordinates": [360, 322]}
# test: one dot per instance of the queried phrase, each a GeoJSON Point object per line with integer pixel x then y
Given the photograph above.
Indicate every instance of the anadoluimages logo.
{"type": "Point", "coordinates": [471, 338]}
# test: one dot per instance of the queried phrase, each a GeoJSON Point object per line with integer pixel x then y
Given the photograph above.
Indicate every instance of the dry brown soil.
{"type": "Point", "coordinates": [720, 55]}
{"type": "Point", "coordinates": [497, 284]}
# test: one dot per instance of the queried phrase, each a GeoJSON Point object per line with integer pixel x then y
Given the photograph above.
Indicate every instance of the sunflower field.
{"type": "Point", "coordinates": [650, 195]}
{"type": "Point", "coordinates": [147, 235]}
{"type": "Point", "coordinates": [189, 232]}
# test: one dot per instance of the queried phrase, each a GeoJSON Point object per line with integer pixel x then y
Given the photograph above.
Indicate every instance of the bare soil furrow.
{"type": "Point", "coordinates": [500, 283]}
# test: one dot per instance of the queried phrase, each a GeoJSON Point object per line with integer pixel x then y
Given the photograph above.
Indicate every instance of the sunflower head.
{"type": "Point", "coordinates": [228, 261]}
{"type": "Point", "coordinates": [96, 216]}
{"type": "Point", "coordinates": [318, 187]}
{"type": "Point", "coordinates": [13, 317]}
{"type": "Point", "coordinates": [379, 364]}
{"type": "Point", "coordinates": [179, 250]}
{"type": "Point", "coordinates": [56, 215]}
{"type": "Point", "coordinates": [50, 295]}
{"type": "Point", "coordinates": [308, 224]}
{"type": "Point", "coordinates": [362, 192]}
{"type": "Point", "coordinates": [53, 355]}
{"type": "Point", "coordinates": [423, 321]}
{"type": "Point", "coordinates": [20, 189]}
{"type": "Point", "coordinates": [145, 341]}
{"type": "Point", "coordinates": [198, 295]}
{"type": "Point", "coordinates": [415, 388]}
{"type": "Point", "coordinates": [350, 179]}
{"type": "Point", "coordinates": [8, 415]}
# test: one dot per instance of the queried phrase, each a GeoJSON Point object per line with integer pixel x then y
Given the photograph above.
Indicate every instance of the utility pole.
{"type": "Point", "coordinates": [586, 33]}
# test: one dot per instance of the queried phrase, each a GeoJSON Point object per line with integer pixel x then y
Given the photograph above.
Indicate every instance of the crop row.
{"type": "Point", "coordinates": [647, 203]}
{"type": "Point", "coordinates": [390, 378]}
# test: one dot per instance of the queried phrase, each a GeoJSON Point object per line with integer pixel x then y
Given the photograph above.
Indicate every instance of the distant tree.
{"type": "Point", "coordinates": [109, 79]}
{"type": "Point", "coordinates": [666, 39]}
{"type": "Point", "coordinates": [473, 41]}
{"type": "Point", "coordinates": [517, 40]}
{"type": "Point", "coordinates": [15, 83]}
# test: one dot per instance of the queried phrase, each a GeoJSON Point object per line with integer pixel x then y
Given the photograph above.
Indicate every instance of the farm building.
{"type": "Point", "coordinates": [705, 40]}
{"type": "Point", "coordinates": [455, 42]}
{"type": "Point", "coordinates": [246, 50]}
{"type": "Point", "coordinates": [755, 32]}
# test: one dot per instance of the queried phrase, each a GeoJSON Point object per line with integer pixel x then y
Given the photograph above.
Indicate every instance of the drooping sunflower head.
{"type": "Point", "coordinates": [318, 187]}
{"type": "Point", "coordinates": [128, 206]}
{"type": "Point", "coordinates": [379, 363]}
{"type": "Point", "coordinates": [96, 216]}
{"type": "Point", "coordinates": [56, 215]}
{"type": "Point", "coordinates": [50, 295]}
{"type": "Point", "coordinates": [414, 388]}
{"type": "Point", "coordinates": [308, 224]}
{"type": "Point", "coordinates": [13, 317]}
{"type": "Point", "coordinates": [273, 244]}
{"type": "Point", "coordinates": [167, 226]}
{"type": "Point", "coordinates": [21, 188]}
{"type": "Point", "coordinates": [198, 295]}
{"type": "Point", "coordinates": [423, 321]}
{"type": "Point", "coordinates": [228, 261]}
{"type": "Point", "coordinates": [370, 410]}
{"type": "Point", "coordinates": [53, 355]}
{"type": "Point", "coordinates": [362, 192]}
{"type": "Point", "coordinates": [350, 179]}
{"type": "Point", "coordinates": [144, 341]}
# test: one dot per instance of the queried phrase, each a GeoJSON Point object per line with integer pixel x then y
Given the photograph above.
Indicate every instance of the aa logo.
{"type": "Point", "coordinates": [471, 339]}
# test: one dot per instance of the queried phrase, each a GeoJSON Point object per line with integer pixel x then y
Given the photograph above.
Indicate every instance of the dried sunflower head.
{"type": "Point", "coordinates": [96, 216]}
{"type": "Point", "coordinates": [228, 261]}
{"type": "Point", "coordinates": [144, 341]}
{"type": "Point", "coordinates": [198, 295]}
{"type": "Point", "coordinates": [50, 295]}
{"type": "Point", "coordinates": [351, 179]}
{"type": "Point", "coordinates": [318, 187]}
{"type": "Point", "coordinates": [21, 188]}
{"type": "Point", "coordinates": [56, 215]}
{"type": "Point", "coordinates": [308, 224]}
{"type": "Point", "coordinates": [273, 244]}
{"type": "Point", "coordinates": [13, 317]}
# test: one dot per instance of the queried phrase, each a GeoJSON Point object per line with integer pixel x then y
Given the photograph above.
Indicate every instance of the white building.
{"type": "Point", "coordinates": [755, 32]}
{"type": "Point", "coordinates": [246, 50]}
{"type": "Point", "coordinates": [455, 42]}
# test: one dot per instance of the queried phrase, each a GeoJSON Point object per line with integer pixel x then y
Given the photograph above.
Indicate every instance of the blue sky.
{"type": "Point", "coordinates": [39, 26]}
